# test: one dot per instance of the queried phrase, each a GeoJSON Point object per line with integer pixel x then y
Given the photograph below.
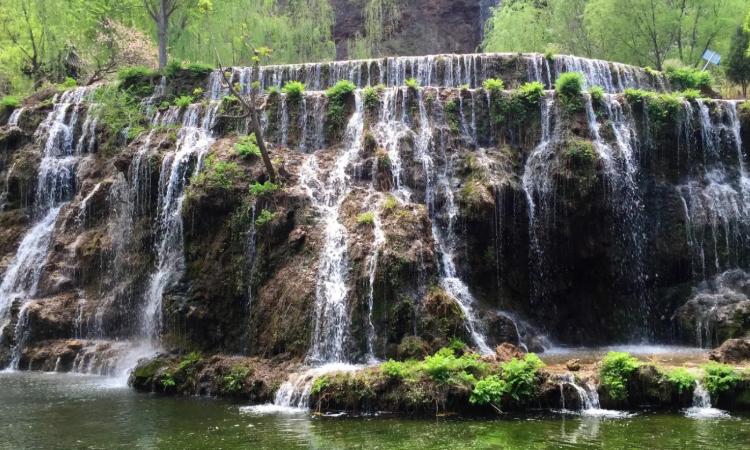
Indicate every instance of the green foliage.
{"type": "Point", "coordinates": [615, 370]}
{"type": "Point", "coordinates": [263, 189]}
{"type": "Point", "coordinates": [168, 381]}
{"type": "Point", "coordinates": [516, 108]}
{"type": "Point", "coordinates": [9, 102]}
{"type": "Point", "coordinates": [338, 96]}
{"type": "Point", "coordinates": [580, 152]}
{"type": "Point", "coordinates": [737, 64]}
{"type": "Point", "coordinates": [390, 202]}
{"type": "Point", "coordinates": [264, 218]}
{"type": "Point", "coordinates": [371, 96]}
{"type": "Point", "coordinates": [531, 92]}
{"type": "Point", "coordinates": [235, 379]}
{"type": "Point", "coordinates": [445, 367]}
{"type": "Point", "coordinates": [682, 379]}
{"type": "Point", "coordinates": [691, 94]}
{"type": "Point", "coordinates": [682, 78]}
{"type": "Point", "coordinates": [69, 83]}
{"type": "Point", "coordinates": [189, 361]}
{"type": "Point", "coordinates": [183, 101]}
{"type": "Point", "coordinates": [394, 369]}
{"type": "Point", "coordinates": [597, 93]}
{"type": "Point", "coordinates": [719, 377]}
{"type": "Point", "coordinates": [217, 174]}
{"type": "Point", "coordinates": [493, 85]}
{"type": "Point", "coordinates": [366, 218]}
{"type": "Point", "coordinates": [273, 90]}
{"type": "Point", "coordinates": [198, 69]}
{"type": "Point", "coordinates": [520, 376]}
{"type": "Point", "coordinates": [412, 84]}
{"type": "Point", "coordinates": [319, 384]}
{"type": "Point", "coordinates": [488, 390]}
{"type": "Point", "coordinates": [118, 110]}
{"type": "Point", "coordinates": [138, 80]}
{"type": "Point", "coordinates": [247, 147]}
{"type": "Point", "coordinates": [293, 90]}
{"type": "Point", "coordinates": [568, 87]}
{"type": "Point", "coordinates": [663, 107]}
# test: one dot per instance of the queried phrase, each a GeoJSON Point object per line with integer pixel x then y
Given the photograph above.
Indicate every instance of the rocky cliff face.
{"type": "Point", "coordinates": [424, 27]}
{"type": "Point", "coordinates": [404, 217]}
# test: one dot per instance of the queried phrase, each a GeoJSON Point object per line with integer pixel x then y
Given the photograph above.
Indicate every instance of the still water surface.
{"type": "Point", "coordinates": [45, 411]}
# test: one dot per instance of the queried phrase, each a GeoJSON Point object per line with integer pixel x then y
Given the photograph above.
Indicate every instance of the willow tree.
{"type": "Point", "coordinates": [163, 11]}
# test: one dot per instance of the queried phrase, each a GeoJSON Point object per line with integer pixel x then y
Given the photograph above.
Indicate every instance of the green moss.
{"type": "Point", "coordinates": [198, 69]}
{"type": "Point", "coordinates": [247, 147]}
{"type": "Point", "coordinates": [371, 96]}
{"type": "Point", "coordinates": [320, 384]}
{"type": "Point", "coordinates": [580, 152]}
{"type": "Point", "coordinates": [390, 202]}
{"type": "Point", "coordinates": [9, 102]}
{"type": "Point", "coordinates": [263, 189]}
{"type": "Point", "coordinates": [183, 101]}
{"type": "Point", "coordinates": [615, 371]}
{"type": "Point", "coordinates": [216, 174]}
{"type": "Point", "coordinates": [412, 84]}
{"type": "Point", "coordinates": [138, 80]}
{"type": "Point", "coordinates": [597, 94]}
{"type": "Point", "coordinates": [148, 370]}
{"type": "Point", "coordinates": [234, 381]}
{"type": "Point", "coordinates": [264, 218]}
{"type": "Point", "coordinates": [452, 109]}
{"type": "Point", "coordinates": [338, 98]}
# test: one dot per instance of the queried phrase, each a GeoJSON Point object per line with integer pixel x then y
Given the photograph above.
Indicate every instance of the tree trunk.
{"type": "Point", "coordinates": [258, 131]}
{"type": "Point", "coordinates": [162, 32]}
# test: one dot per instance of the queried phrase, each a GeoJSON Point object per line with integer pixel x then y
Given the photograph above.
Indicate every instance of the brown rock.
{"type": "Point", "coordinates": [574, 365]}
{"type": "Point", "coordinates": [507, 351]}
{"type": "Point", "coordinates": [732, 351]}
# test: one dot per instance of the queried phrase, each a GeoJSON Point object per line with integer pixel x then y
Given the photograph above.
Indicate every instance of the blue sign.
{"type": "Point", "coordinates": [712, 57]}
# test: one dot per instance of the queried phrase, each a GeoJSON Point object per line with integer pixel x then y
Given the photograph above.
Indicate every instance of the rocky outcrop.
{"type": "Point", "coordinates": [732, 351]}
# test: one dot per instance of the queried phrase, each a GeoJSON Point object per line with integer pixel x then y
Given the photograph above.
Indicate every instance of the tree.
{"type": "Point", "coordinates": [162, 11]}
{"type": "Point", "coordinates": [118, 46]}
{"type": "Point", "coordinates": [24, 24]}
{"type": "Point", "coordinates": [249, 107]}
{"type": "Point", "coordinates": [738, 62]}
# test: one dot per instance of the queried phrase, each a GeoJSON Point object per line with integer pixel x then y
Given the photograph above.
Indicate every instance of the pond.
{"type": "Point", "coordinates": [45, 410]}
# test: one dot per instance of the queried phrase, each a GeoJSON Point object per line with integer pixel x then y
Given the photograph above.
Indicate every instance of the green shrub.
{"type": "Point", "coordinates": [338, 96]}
{"type": "Point", "coordinates": [293, 90]}
{"type": "Point", "coordinates": [663, 107]}
{"type": "Point", "coordinates": [247, 147]}
{"type": "Point", "coordinates": [445, 367]}
{"type": "Point", "coordinates": [168, 381]}
{"type": "Point", "coordinates": [457, 345]}
{"type": "Point", "coordinates": [597, 93]}
{"type": "Point", "coordinates": [319, 384]}
{"type": "Point", "coordinates": [235, 379]}
{"type": "Point", "coordinates": [265, 217]}
{"type": "Point", "coordinates": [440, 365]}
{"type": "Point", "coordinates": [682, 379]}
{"type": "Point", "coordinates": [340, 90]}
{"type": "Point", "coordinates": [637, 95]}
{"type": "Point", "coordinates": [118, 110]}
{"type": "Point", "coordinates": [198, 92]}
{"type": "Point", "coordinates": [394, 369]}
{"type": "Point", "coordinates": [580, 152]}
{"type": "Point", "coordinates": [390, 202]}
{"type": "Point", "coordinates": [719, 377]}
{"type": "Point", "coordinates": [366, 218]}
{"type": "Point", "coordinates": [69, 82]}
{"type": "Point", "coordinates": [691, 94]}
{"type": "Point", "coordinates": [682, 78]}
{"type": "Point", "coordinates": [531, 92]}
{"type": "Point", "coordinates": [263, 189]}
{"type": "Point", "coordinates": [138, 80]}
{"type": "Point", "coordinates": [520, 376]}
{"type": "Point", "coordinates": [569, 86]}
{"type": "Point", "coordinates": [199, 69]}
{"type": "Point", "coordinates": [412, 83]}
{"type": "Point", "coordinates": [9, 102]}
{"type": "Point", "coordinates": [371, 97]}
{"type": "Point", "coordinates": [616, 369]}
{"type": "Point", "coordinates": [488, 390]}
{"type": "Point", "coordinates": [189, 360]}
{"type": "Point", "coordinates": [493, 85]}
{"type": "Point", "coordinates": [217, 174]}
{"type": "Point", "coordinates": [183, 101]}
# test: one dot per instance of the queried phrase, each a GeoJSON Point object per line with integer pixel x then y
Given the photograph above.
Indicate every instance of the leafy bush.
{"type": "Point", "coordinates": [319, 384]}
{"type": "Point", "coordinates": [569, 86]}
{"type": "Point", "coordinates": [371, 97]}
{"type": "Point", "coordinates": [338, 95]}
{"type": "Point", "coordinates": [118, 109]}
{"type": "Point", "coordinates": [493, 85]}
{"type": "Point", "coordinates": [138, 80]}
{"type": "Point", "coordinates": [340, 90]}
{"type": "Point", "coordinates": [183, 101]}
{"type": "Point", "coordinates": [235, 380]}
{"type": "Point", "coordinates": [412, 83]}
{"type": "Point", "coordinates": [69, 82]}
{"type": "Point", "coordinates": [394, 369]}
{"type": "Point", "coordinates": [168, 381]}
{"type": "Point", "coordinates": [488, 390]}
{"type": "Point", "coordinates": [265, 217]}
{"type": "Point", "coordinates": [616, 369]}
{"type": "Point", "coordinates": [663, 107]}
{"type": "Point", "coordinates": [683, 78]}
{"type": "Point", "coordinates": [263, 189]}
{"type": "Point", "coordinates": [9, 102]}
{"type": "Point", "coordinates": [682, 379]}
{"type": "Point", "coordinates": [189, 360]}
{"type": "Point", "coordinates": [597, 93]}
{"type": "Point", "coordinates": [390, 202]}
{"type": "Point", "coordinates": [719, 377]}
{"type": "Point", "coordinates": [691, 94]}
{"type": "Point", "coordinates": [637, 95]}
{"type": "Point", "coordinates": [366, 218]}
{"type": "Point", "coordinates": [444, 367]}
{"type": "Point", "coordinates": [293, 90]}
{"type": "Point", "coordinates": [247, 146]}
{"type": "Point", "coordinates": [217, 174]}
{"type": "Point", "coordinates": [520, 376]}
{"type": "Point", "coordinates": [531, 92]}
{"type": "Point", "coordinates": [199, 69]}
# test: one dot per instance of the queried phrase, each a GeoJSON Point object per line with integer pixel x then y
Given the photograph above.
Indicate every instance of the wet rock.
{"type": "Point", "coordinates": [732, 351]}
{"type": "Point", "coordinates": [507, 351]}
{"type": "Point", "coordinates": [574, 365]}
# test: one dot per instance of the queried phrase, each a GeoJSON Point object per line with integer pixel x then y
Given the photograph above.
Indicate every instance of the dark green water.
{"type": "Point", "coordinates": [43, 411]}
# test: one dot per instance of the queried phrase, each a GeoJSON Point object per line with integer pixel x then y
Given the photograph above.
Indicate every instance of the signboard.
{"type": "Point", "coordinates": [712, 57]}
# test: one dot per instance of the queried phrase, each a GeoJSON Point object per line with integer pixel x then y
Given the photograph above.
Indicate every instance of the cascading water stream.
{"type": "Point", "coordinates": [702, 407]}
{"type": "Point", "coordinates": [588, 398]}
{"type": "Point", "coordinates": [56, 185]}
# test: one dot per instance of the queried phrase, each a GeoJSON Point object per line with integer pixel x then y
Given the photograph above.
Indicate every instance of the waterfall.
{"type": "Point", "coordinates": [331, 315]}
{"type": "Point", "coordinates": [702, 407]}
{"type": "Point", "coordinates": [588, 397]}
{"type": "Point", "coordinates": [445, 70]}
{"type": "Point", "coordinates": [193, 142]}
{"type": "Point", "coordinates": [15, 117]}
{"type": "Point", "coordinates": [56, 185]}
